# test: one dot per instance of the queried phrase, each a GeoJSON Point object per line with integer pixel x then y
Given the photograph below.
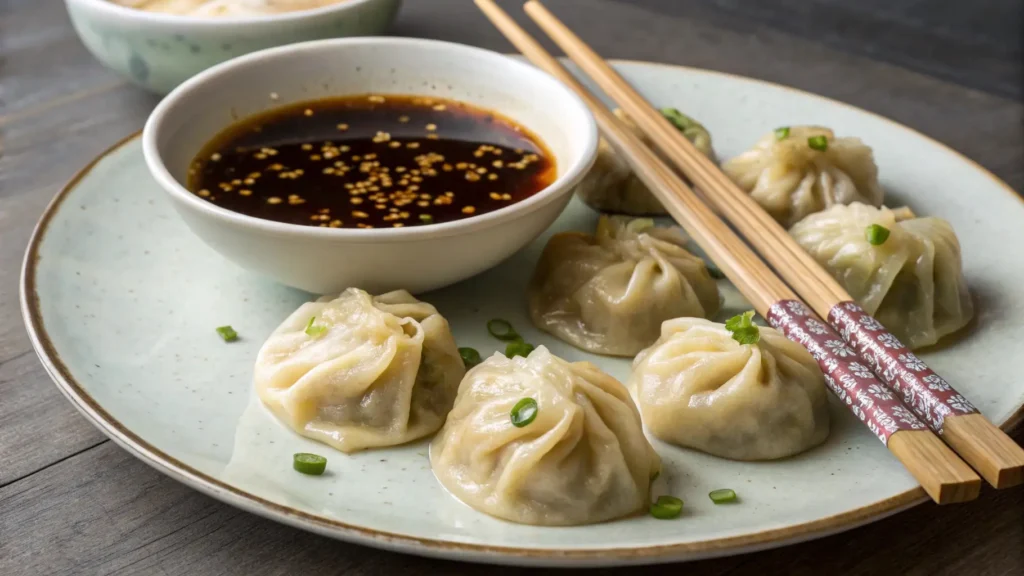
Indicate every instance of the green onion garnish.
{"type": "Point", "coordinates": [502, 330]}
{"type": "Point", "coordinates": [782, 133]}
{"type": "Point", "coordinates": [722, 495]}
{"type": "Point", "coordinates": [524, 412]}
{"type": "Point", "coordinates": [714, 271]}
{"type": "Point", "coordinates": [470, 357]}
{"type": "Point", "coordinates": [314, 331]}
{"type": "Point", "coordinates": [681, 121]}
{"type": "Point", "coordinates": [312, 464]}
{"type": "Point", "coordinates": [819, 143]}
{"type": "Point", "coordinates": [227, 333]}
{"type": "Point", "coordinates": [743, 329]}
{"type": "Point", "coordinates": [426, 218]}
{"type": "Point", "coordinates": [518, 348]}
{"type": "Point", "coordinates": [667, 508]}
{"type": "Point", "coordinates": [876, 235]}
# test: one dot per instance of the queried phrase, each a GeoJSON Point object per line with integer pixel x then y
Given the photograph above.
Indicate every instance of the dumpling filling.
{"type": "Point", "coordinates": [578, 457]}
{"type": "Point", "coordinates": [359, 371]}
{"type": "Point", "coordinates": [698, 387]}
{"type": "Point", "coordinates": [609, 292]}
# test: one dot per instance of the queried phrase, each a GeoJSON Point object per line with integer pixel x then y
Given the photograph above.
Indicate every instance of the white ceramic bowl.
{"type": "Point", "coordinates": [416, 258]}
{"type": "Point", "coordinates": [159, 51]}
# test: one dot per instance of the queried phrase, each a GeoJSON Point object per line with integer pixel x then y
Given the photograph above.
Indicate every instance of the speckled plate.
{"type": "Point", "coordinates": [121, 302]}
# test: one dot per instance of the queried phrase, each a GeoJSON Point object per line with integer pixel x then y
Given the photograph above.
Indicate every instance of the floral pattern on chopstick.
{"type": "Point", "coordinates": [845, 373]}
{"type": "Point", "coordinates": [931, 397]}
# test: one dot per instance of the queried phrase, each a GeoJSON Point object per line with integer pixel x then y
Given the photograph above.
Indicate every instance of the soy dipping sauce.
{"type": "Point", "coordinates": [371, 161]}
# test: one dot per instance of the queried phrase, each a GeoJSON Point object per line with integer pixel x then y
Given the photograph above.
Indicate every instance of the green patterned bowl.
{"type": "Point", "coordinates": [159, 51]}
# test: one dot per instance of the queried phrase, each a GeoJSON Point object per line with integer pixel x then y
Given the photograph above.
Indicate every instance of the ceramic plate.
{"type": "Point", "coordinates": [121, 302]}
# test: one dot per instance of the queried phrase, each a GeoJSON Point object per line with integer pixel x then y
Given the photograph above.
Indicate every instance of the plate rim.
{"type": "Point", "coordinates": [220, 490]}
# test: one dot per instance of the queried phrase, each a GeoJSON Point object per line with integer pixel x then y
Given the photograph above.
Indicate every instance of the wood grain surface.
{"type": "Point", "coordinates": [71, 502]}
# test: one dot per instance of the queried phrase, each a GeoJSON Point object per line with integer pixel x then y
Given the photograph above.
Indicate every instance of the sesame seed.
{"type": "Point", "coordinates": [273, 200]}
{"type": "Point", "coordinates": [342, 126]}
{"type": "Point", "coordinates": [215, 156]}
{"type": "Point", "coordinates": [468, 209]}
{"type": "Point", "coordinates": [308, 112]}
{"type": "Point", "coordinates": [376, 99]}
{"type": "Point", "coordinates": [245, 192]}
{"type": "Point", "coordinates": [403, 119]}
{"type": "Point", "coordinates": [307, 147]}
{"type": "Point", "coordinates": [355, 200]}
{"type": "Point", "coordinates": [440, 107]}
{"type": "Point", "coordinates": [433, 137]}
{"type": "Point", "coordinates": [360, 214]}
{"type": "Point", "coordinates": [274, 96]}
{"type": "Point", "coordinates": [492, 176]}
{"type": "Point", "coordinates": [204, 192]}
{"type": "Point", "coordinates": [431, 127]}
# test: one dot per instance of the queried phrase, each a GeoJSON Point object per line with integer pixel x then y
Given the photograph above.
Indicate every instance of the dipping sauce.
{"type": "Point", "coordinates": [371, 161]}
{"type": "Point", "coordinates": [206, 8]}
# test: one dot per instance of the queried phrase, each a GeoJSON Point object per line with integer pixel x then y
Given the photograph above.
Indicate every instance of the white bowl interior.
{"type": "Point", "coordinates": [204, 106]}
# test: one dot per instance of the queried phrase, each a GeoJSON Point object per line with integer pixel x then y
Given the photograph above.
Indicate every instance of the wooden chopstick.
{"type": "Point", "coordinates": [940, 472]}
{"type": "Point", "coordinates": [987, 448]}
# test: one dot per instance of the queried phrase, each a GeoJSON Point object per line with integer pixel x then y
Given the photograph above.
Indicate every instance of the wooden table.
{"type": "Point", "coordinates": [71, 502]}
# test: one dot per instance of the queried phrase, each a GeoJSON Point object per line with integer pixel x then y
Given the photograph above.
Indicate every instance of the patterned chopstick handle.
{"type": "Point", "coordinates": [931, 397]}
{"type": "Point", "coordinates": [850, 380]}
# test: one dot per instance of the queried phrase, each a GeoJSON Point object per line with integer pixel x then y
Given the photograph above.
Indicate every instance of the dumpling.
{"type": "Point", "coordinates": [797, 171]}
{"type": "Point", "coordinates": [582, 459]}
{"type": "Point", "coordinates": [611, 185]}
{"type": "Point", "coordinates": [913, 282]}
{"type": "Point", "coordinates": [361, 371]}
{"type": "Point", "coordinates": [698, 387]}
{"type": "Point", "coordinates": [609, 292]}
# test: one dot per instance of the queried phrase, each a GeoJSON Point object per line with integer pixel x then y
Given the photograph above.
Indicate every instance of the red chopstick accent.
{"type": "Point", "coordinates": [927, 393]}
{"type": "Point", "coordinates": [850, 380]}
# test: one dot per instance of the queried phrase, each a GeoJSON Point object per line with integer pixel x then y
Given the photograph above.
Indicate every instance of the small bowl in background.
{"type": "Point", "coordinates": [415, 258]}
{"type": "Point", "coordinates": [158, 51]}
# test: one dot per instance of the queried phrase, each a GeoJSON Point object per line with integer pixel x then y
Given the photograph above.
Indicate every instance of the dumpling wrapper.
{"type": "Point", "coordinates": [609, 292]}
{"type": "Point", "coordinates": [384, 372]}
{"type": "Point", "coordinates": [611, 186]}
{"type": "Point", "coordinates": [698, 387]}
{"type": "Point", "coordinates": [790, 180]}
{"type": "Point", "coordinates": [584, 459]}
{"type": "Point", "coordinates": [913, 283]}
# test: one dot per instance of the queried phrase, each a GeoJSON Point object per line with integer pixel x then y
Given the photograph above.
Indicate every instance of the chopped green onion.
{"type": "Point", "coordinates": [722, 496]}
{"type": "Point", "coordinates": [782, 133]}
{"type": "Point", "coordinates": [227, 333]}
{"type": "Point", "coordinates": [681, 121]}
{"type": "Point", "coordinates": [667, 508]}
{"type": "Point", "coordinates": [312, 464]}
{"type": "Point", "coordinates": [714, 271]}
{"type": "Point", "coordinates": [524, 412]}
{"type": "Point", "coordinates": [819, 143]}
{"type": "Point", "coordinates": [470, 357]}
{"type": "Point", "coordinates": [314, 331]}
{"type": "Point", "coordinates": [502, 330]}
{"type": "Point", "coordinates": [426, 218]}
{"type": "Point", "coordinates": [518, 348]}
{"type": "Point", "coordinates": [876, 235]}
{"type": "Point", "coordinates": [743, 329]}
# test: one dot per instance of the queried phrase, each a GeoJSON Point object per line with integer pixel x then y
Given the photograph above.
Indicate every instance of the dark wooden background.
{"type": "Point", "coordinates": [71, 502]}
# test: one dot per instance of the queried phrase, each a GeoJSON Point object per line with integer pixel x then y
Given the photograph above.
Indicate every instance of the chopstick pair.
{"type": "Point", "coordinates": [983, 445]}
{"type": "Point", "coordinates": [987, 448]}
{"type": "Point", "coordinates": [944, 476]}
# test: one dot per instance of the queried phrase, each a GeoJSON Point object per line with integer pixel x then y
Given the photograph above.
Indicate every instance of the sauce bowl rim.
{"type": "Point", "coordinates": [563, 183]}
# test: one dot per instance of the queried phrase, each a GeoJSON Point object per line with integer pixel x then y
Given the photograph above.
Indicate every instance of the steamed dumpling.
{"type": "Point", "coordinates": [611, 185]}
{"type": "Point", "coordinates": [609, 292]}
{"type": "Point", "coordinates": [583, 459]}
{"type": "Point", "coordinates": [913, 283]}
{"type": "Point", "coordinates": [698, 387]}
{"type": "Point", "coordinates": [790, 179]}
{"type": "Point", "coordinates": [371, 371]}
